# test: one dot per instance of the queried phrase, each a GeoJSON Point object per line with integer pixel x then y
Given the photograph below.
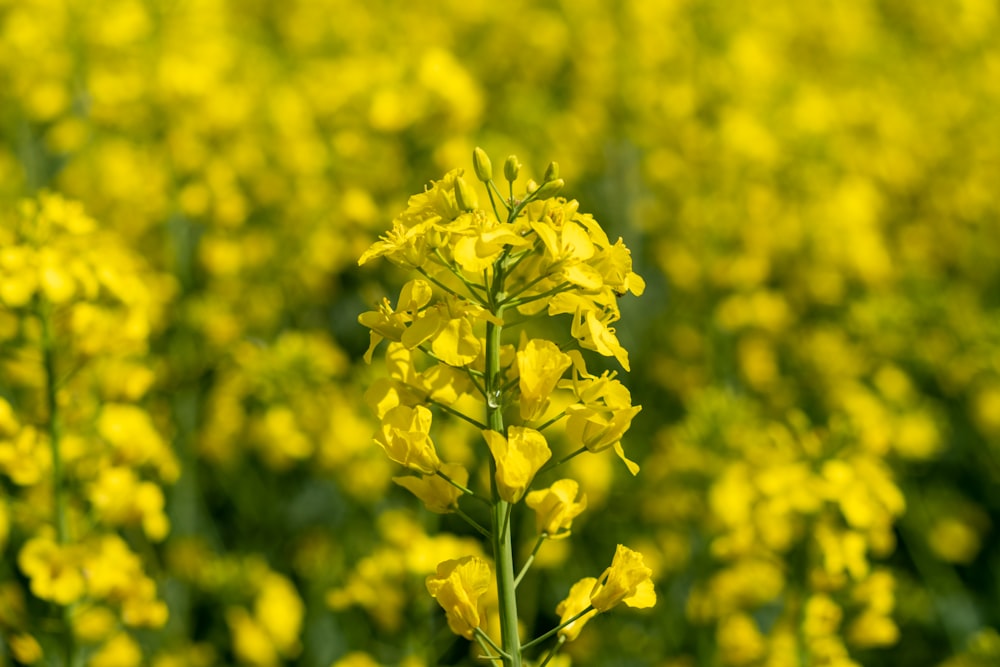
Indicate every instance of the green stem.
{"type": "Point", "coordinates": [539, 639]}
{"type": "Point", "coordinates": [503, 553]}
{"type": "Point", "coordinates": [524, 288]}
{"type": "Point", "coordinates": [490, 187]}
{"type": "Point", "coordinates": [464, 489]}
{"type": "Point", "coordinates": [562, 287]}
{"type": "Point", "coordinates": [552, 652]}
{"type": "Point", "coordinates": [60, 516]}
{"type": "Point", "coordinates": [472, 522]}
{"type": "Point", "coordinates": [471, 286]}
{"type": "Point", "coordinates": [54, 427]}
{"type": "Point", "coordinates": [484, 641]}
{"type": "Point", "coordinates": [531, 559]}
{"type": "Point", "coordinates": [551, 421]}
{"type": "Point", "coordinates": [561, 461]}
{"type": "Point", "coordinates": [456, 413]}
{"type": "Point", "coordinates": [475, 297]}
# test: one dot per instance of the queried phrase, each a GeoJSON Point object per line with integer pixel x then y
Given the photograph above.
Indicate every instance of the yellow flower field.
{"type": "Point", "coordinates": [297, 367]}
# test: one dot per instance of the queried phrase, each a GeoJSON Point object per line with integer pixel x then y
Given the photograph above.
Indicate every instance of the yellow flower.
{"type": "Point", "coordinates": [406, 244]}
{"type": "Point", "coordinates": [564, 240]}
{"type": "Point", "coordinates": [405, 437]}
{"type": "Point", "coordinates": [577, 600]}
{"type": "Point", "coordinates": [870, 629]}
{"type": "Point", "coordinates": [628, 580]}
{"type": "Point", "coordinates": [592, 330]}
{"type": "Point", "coordinates": [120, 498]}
{"type": "Point", "coordinates": [822, 616]}
{"type": "Point", "coordinates": [251, 643]}
{"type": "Point", "coordinates": [387, 323]}
{"type": "Point", "coordinates": [598, 429]}
{"type": "Point", "coordinates": [481, 241]}
{"type": "Point", "coordinates": [615, 266]}
{"type": "Point", "coordinates": [555, 507]}
{"type": "Point", "coordinates": [458, 586]}
{"type": "Point", "coordinates": [518, 457]}
{"type": "Point", "coordinates": [54, 570]}
{"type": "Point", "coordinates": [25, 649]}
{"type": "Point", "coordinates": [437, 495]}
{"type": "Point", "coordinates": [93, 623]}
{"type": "Point", "coordinates": [119, 651]}
{"type": "Point", "coordinates": [278, 609]}
{"type": "Point", "coordinates": [448, 327]}
{"type": "Point", "coordinates": [540, 365]}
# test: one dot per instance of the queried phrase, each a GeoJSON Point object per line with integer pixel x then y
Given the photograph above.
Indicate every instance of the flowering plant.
{"type": "Point", "coordinates": [531, 254]}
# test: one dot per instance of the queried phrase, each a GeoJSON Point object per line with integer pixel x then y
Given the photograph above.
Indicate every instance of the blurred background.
{"type": "Point", "coordinates": [809, 190]}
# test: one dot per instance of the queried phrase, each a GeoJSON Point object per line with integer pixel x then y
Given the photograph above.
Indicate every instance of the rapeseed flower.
{"type": "Point", "coordinates": [556, 507]}
{"type": "Point", "coordinates": [459, 586]}
{"type": "Point", "coordinates": [518, 457]}
{"type": "Point", "coordinates": [627, 580]}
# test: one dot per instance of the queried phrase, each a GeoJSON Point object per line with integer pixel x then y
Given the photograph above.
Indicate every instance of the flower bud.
{"type": "Point", "coordinates": [483, 166]}
{"type": "Point", "coordinates": [551, 172]}
{"type": "Point", "coordinates": [465, 196]}
{"type": "Point", "coordinates": [511, 167]}
{"type": "Point", "coordinates": [436, 238]}
{"type": "Point", "coordinates": [550, 189]}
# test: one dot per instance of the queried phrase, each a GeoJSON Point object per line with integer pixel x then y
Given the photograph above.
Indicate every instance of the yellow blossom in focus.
{"type": "Point", "coordinates": [458, 586]}
{"type": "Point", "coordinates": [540, 366]}
{"type": "Point", "coordinates": [518, 457]}
{"type": "Point", "coordinates": [575, 603]}
{"type": "Point", "coordinates": [556, 507]}
{"type": "Point", "coordinates": [405, 437]}
{"type": "Point", "coordinates": [437, 494]}
{"type": "Point", "coordinates": [627, 580]}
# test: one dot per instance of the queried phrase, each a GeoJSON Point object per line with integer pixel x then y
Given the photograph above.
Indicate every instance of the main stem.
{"type": "Point", "coordinates": [503, 553]}
{"type": "Point", "coordinates": [60, 517]}
{"type": "Point", "coordinates": [54, 430]}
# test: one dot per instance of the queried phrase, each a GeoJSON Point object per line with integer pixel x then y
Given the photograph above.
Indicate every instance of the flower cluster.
{"type": "Point", "coordinates": [83, 458]}
{"type": "Point", "coordinates": [528, 255]}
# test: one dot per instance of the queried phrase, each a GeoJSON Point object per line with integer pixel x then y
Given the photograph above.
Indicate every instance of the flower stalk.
{"type": "Point", "coordinates": [60, 516]}
{"type": "Point", "coordinates": [543, 259]}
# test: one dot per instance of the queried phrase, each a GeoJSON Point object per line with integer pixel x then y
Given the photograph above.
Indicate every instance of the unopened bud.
{"type": "Point", "coordinates": [550, 188]}
{"type": "Point", "coordinates": [436, 238]}
{"type": "Point", "coordinates": [483, 166]}
{"type": "Point", "coordinates": [511, 167]}
{"type": "Point", "coordinates": [551, 172]}
{"type": "Point", "coordinates": [465, 196]}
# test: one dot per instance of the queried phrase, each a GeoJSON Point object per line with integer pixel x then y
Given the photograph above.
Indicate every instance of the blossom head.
{"type": "Point", "coordinates": [405, 437]}
{"type": "Point", "coordinates": [556, 507]}
{"type": "Point", "coordinates": [437, 494]}
{"type": "Point", "coordinates": [540, 365]}
{"type": "Point", "coordinates": [628, 580]}
{"type": "Point", "coordinates": [518, 457]}
{"type": "Point", "coordinates": [459, 587]}
{"type": "Point", "coordinates": [575, 603]}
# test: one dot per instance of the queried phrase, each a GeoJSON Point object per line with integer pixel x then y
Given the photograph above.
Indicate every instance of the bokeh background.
{"type": "Point", "coordinates": [809, 189]}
